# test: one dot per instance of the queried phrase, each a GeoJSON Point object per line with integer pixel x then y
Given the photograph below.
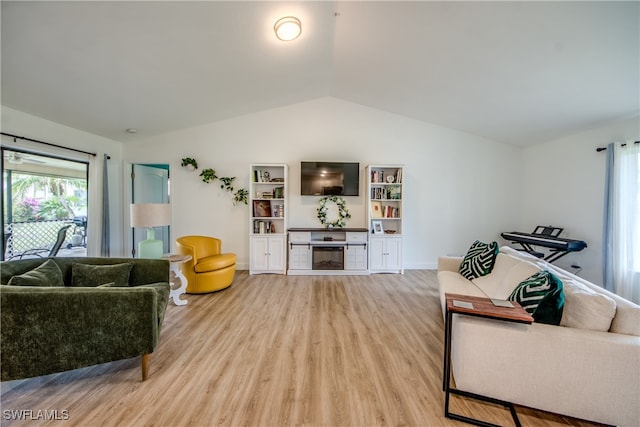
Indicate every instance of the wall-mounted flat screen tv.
{"type": "Point", "coordinates": [329, 178]}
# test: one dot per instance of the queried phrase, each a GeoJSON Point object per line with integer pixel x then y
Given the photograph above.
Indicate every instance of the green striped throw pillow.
{"type": "Point", "coordinates": [542, 296]}
{"type": "Point", "coordinates": [479, 259]}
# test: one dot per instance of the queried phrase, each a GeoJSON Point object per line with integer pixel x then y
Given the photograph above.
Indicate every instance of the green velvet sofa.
{"type": "Point", "coordinates": [83, 321]}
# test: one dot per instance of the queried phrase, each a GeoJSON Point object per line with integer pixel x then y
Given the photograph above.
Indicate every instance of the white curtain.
{"type": "Point", "coordinates": [624, 230]}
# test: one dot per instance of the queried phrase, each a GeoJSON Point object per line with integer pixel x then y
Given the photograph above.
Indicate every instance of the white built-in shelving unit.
{"type": "Point", "coordinates": [384, 217]}
{"type": "Point", "coordinates": [268, 220]}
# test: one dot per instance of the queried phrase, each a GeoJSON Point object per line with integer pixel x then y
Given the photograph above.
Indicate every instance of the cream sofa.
{"type": "Point", "coordinates": [588, 367]}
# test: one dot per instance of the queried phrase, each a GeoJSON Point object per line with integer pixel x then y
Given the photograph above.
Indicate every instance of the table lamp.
{"type": "Point", "coordinates": [150, 215]}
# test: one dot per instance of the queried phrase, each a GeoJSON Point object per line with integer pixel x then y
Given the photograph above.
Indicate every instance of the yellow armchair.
{"type": "Point", "coordinates": [209, 269]}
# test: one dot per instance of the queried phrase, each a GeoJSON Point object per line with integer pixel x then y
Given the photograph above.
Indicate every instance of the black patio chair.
{"type": "Point", "coordinates": [53, 251]}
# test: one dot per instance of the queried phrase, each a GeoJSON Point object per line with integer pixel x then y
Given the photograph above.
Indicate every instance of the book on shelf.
{"type": "Point", "coordinates": [376, 209]}
{"type": "Point", "coordinates": [381, 177]}
{"type": "Point", "coordinates": [378, 193]}
{"type": "Point", "coordinates": [398, 176]}
{"type": "Point", "coordinates": [391, 192]}
{"type": "Point", "coordinates": [277, 210]}
{"type": "Point", "coordinates": [264, 227]}
{"type": "Point", "coordinates": [390, 212]}
{"type": "Point", "coordinates": [377, 176]}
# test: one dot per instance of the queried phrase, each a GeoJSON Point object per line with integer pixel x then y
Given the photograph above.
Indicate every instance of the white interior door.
{"type": "Point", "coordinates": [150, 184]}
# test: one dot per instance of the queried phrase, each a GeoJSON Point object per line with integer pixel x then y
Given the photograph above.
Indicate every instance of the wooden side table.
{"type": "Point", "coordinates": [174, 261]}
{"type": "Point", "coordinates": [478, 307]}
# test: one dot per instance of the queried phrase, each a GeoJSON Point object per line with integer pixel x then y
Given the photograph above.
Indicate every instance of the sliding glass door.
{"type": "Point", "coordinates": [44, 205]}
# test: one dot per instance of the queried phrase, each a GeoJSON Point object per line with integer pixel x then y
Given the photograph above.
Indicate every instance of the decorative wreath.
{"type": "Point", "coordinates": [343, 212]}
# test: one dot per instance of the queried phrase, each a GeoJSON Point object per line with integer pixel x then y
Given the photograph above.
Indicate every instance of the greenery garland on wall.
{"type": "Point", "coordinates": [209, 175]}
{"type": "Point", "coordinates": [343, 212]}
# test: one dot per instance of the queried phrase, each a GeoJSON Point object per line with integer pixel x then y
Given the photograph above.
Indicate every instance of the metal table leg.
{"type": "Point", "coordinates": [448, 390]}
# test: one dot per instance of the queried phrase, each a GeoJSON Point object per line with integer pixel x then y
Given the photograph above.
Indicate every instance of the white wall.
{"type": "Point", "coordinates": [458, 187]}
{"type": "Point", "coordinates": [25, 125]}
{"type": "Point", "coordinates": [564, 187]}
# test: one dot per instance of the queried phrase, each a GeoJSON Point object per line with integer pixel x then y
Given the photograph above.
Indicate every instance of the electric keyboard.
{"type": "Point", "coordinates": [546, 237]}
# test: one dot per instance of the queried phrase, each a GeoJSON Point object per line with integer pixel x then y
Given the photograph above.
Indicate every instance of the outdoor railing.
{"type": "Point", "coordinates": [35, 235]}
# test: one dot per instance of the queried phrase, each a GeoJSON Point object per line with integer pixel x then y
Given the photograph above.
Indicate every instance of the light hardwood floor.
{"type": "Point", "coordinates": [277, 350]}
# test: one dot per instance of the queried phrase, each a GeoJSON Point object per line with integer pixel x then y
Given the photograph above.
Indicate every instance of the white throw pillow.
{"type": "Point", "coordinates": [586, 309]}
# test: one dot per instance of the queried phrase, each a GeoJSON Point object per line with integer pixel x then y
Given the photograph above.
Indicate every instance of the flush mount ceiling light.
{"type": "Point", "coordinates": [288, 28]}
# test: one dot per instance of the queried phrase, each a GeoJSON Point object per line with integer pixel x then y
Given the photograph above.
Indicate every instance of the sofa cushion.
{"type": "Point", "coordinates": [508, 271]}
{"type": "Point", "coordinates": [479, 259]}
{"type": "Point", "coordinates": [46, 274]}
{"type": "Point", "coordinates": [454, 283]}
{"type": "Point", "coordinates": [87, 275]}
{"type": "Point", "coordinates": [541, 296]}
{"type": "Point", "coordinates": [521, 271]}
{"type": "Point", "coordinates": [586, 309]}
{"type": "Point", "coordinates": [627, 319]}
{"type": "Point", "coordinates": [493, 281]}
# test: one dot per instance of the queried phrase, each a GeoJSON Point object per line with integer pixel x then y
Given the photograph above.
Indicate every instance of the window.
{"type": "Point", "coordinates": [41, 196]}
{"type": "Point", "coordinates": [622, 221]}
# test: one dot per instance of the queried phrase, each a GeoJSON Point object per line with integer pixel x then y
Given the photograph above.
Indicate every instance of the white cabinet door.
{"type": "Point", "coordinates": [300, 257]}
{"type": "Point", "coordinates": [355, 257]}
{"type": "Point", "coordinates": [393, 253]}
{"type": "Point", "coordinates": [267, 254]}
{"type": "Point", "coordinates": [259, 254]}
{"type": "Point", "coordinates": [385, 254]}
{"type": "Point", "coordinates": [276, 257]}
{"type": "Point", "coordinates": [376, 253]}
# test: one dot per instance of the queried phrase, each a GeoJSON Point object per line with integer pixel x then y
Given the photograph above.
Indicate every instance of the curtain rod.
{"type": "Point", "coordinates": [599, 149]}
{"type": "Point", "coordinates": [47, 143]}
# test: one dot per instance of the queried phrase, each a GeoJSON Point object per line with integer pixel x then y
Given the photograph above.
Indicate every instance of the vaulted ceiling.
{"type": "Point", "coordinates": [514, 72]}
